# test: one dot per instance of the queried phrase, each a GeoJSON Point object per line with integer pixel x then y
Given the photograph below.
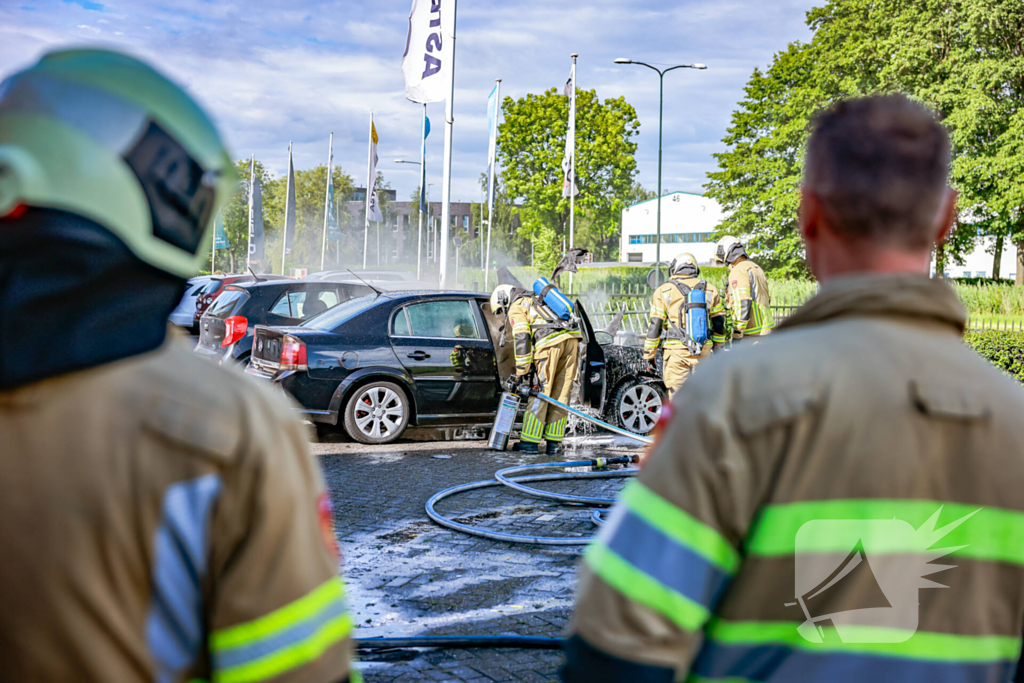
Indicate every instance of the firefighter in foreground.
{"type": "Point", "coordinates": [864, 429]}
{"type": "Point", "coordinates": [160, 517]}
{"type": "Point", "coordinates": [746, 291]}
{"type": "Point", "coordinates": [694, 316]}
{"type": "Point", "coordinates": [544, 341]}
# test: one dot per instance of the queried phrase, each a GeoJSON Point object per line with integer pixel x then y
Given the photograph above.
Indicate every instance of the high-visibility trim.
{"type": "Point", "coordinates": [667, 560]}
{"type": "Point", "coordinates": [658, 312]}
{"type": "Point", "coordinates": [679, 525]}
{"type": "Point", "coordinates": [717, 309]}
{"type": "Point", "coordinates": [760, 319]}
{"type": "Point", "coordinates": [640, 588]}
{"type": "Point", "coordinates": [524, 360]}
{"type": "Point", "coordinates": [921, 645]}
{"type": "Point", "coordinates": [285, 639]}
{"type": "Point", "coordinates": [533, 429]}
{"type": "Point", "coordinates": [992, 534]}
{"type": "Point", "coordinates": [555, 431]}
{"type": "Point", "coordinates": [521, 328]}
{"type": "Point", "coordinates": [555, 338]}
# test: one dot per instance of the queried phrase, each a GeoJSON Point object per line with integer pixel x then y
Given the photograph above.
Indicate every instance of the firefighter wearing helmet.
{"type": "Point", "coordinates": [746, 291]}
{"type": "Point", "coordinates": [549, 346]}
{"type": "Point", "coordinates": [161, 517]}
{"type": "Point", "coordinates": [693, 318]}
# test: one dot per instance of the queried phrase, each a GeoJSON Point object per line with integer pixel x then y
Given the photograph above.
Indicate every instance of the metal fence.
{"type": "Point", "coordinates": [636, 317]}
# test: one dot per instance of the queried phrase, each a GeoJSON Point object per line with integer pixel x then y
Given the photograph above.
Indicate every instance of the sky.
{"type": "Point", "coordinates": [274, 72]}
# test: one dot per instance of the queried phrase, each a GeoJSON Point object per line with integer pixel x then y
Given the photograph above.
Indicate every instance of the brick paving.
{"type": "Point", "coordinates": [408, 576]}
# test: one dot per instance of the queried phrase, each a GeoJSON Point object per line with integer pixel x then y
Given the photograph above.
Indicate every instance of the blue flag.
{"type": "Point", "coordinates": [220, 238]}
{"type": "Point", "coordinates": [423, 167]}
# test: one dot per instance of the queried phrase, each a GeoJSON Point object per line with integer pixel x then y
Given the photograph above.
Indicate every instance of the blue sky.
{"type": "Point", "coordinates": [271, 72]}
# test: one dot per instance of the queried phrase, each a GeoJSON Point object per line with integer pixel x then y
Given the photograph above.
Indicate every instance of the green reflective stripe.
{"type": "Point", "coordinates": [991, 534]}
{"type": "Point", "coordinates": [280, 619]}
{"type": "Point", "coordinates": [642, 589]}
{"type": "Point", "coordinates": [679, 525]}
{"type": "Point", "coordinates": [760, 319]}
{"type": "Point", "coordinates": [290, 657]}
{"type": "Point", "coordinates": [717, 309]}
{"type": "Point", "coordinates": [942, 647]}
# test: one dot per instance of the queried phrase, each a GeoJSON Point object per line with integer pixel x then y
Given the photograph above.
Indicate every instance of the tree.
{"type": "Point", "coordinates": [236, 214]}
{"type": "Point", "coordinates": [960, 57]}
{"type": "Point", "coordinates": [531, 144]}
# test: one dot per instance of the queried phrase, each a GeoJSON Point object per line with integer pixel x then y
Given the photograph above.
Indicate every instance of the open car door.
{"type": "Point", "coordinates": [592, 369]}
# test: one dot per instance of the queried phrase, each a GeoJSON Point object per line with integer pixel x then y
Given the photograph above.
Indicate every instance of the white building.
{"type": "Point", "coordinates": [979, 262]}
{"type": "Point", "coordinates": [687, 222]}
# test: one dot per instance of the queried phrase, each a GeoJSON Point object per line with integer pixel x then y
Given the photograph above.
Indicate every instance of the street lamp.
{"type": "Point", "coordinates": [661, 107]}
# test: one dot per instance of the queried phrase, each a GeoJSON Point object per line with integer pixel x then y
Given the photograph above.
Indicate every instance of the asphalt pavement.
{"type": "Point", "coordinates": [408, 576]}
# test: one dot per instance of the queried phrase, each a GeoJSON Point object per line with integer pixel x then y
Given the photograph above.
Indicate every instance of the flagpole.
{"type": "Point", "coordinates": [369, 189]}
{"type": "Point", "coordinates": [287, 196]}
{"type": "Point", "coordinates": [213, 244]}
{"type": "Point", "coordinates": [446, 178]}
{"type": "Point", "coordinates": [423, 175]}
{"type": "Point", "coordinates": [572, 169]}
{"type": "Point", "coordinates": [490, 183]}
{"type": "Point", "coordinates": [252, 181]}
{"type": "Point", "coordinates": [327, 199]}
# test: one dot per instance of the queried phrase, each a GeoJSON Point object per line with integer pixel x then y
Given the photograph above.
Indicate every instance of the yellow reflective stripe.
{"type": "Point", "coordinates": [717, 309]}
{"type": "Point", "coordinates": [532, 428]}
{"type": "Point", "coordinates": [284, 639]}
{"type": "Point", "coordinates": [658, 312]}
{"type": "Point", "coordinates": [556, 430]}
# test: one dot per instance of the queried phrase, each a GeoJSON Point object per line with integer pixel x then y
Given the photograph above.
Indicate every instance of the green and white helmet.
{"type": "Point", "coordinates": [101, 135]}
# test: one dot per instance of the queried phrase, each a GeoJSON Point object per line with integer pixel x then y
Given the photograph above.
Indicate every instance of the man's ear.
{"type": "Point", "coordinates": [809, 216]}
{"type": "Point", "coordinates": [947, 215]}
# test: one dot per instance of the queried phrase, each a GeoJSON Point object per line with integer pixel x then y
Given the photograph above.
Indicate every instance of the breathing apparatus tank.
{"type": "Point", "coordinates": [553, 299]}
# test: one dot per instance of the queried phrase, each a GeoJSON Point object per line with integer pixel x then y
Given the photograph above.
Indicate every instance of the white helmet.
{"type": "Point", "coordinates": [728, 250]}
{"type": "Point", "coordinates": [501, 297]}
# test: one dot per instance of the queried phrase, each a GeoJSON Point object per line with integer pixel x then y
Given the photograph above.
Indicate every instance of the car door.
{"type": "Point", "coordinates": [444, 347]}
{"type": "Point", "coordinates": [592, 363]}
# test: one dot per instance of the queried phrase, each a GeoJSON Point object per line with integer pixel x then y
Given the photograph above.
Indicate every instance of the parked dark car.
{"type": "Point", "coordinates": [212, 289]}
{"type": "Point", "coordinates": [377, 364]}
{"type": "Point", "coordinates": [226, 329]}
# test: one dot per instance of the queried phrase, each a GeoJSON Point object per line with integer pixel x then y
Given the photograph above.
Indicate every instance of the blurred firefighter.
{"type": "Point", "coordinates": [161, 518]}
{"type": "Point", "coordinates": [746, 290]}
{"type": "Point", "coordinates": [865, 429]}
{"type": "Point", "coordinates": [684, 297]}
{"type": "Point", "coordinates": [551, 345]}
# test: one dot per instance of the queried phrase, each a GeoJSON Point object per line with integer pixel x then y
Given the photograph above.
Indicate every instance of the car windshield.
{"type": "Point", "coordinates": [228, 303]}
{"type": "Point", "coordinates": [210, 287]}
{"type": "Point", "coordinates": [330, 319]}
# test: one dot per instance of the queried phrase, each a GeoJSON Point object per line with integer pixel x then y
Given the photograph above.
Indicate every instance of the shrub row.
{"type": "Point", "coordinates": [1005, 350]}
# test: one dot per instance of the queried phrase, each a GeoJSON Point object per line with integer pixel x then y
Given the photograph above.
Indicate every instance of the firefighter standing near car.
{"type": "Point", "coordinates": [551, 346]}
{"type": "Point", "coordinates": [863, 429]}
{"type": "Point", "coordinates": [670, 309]}
{"type": "Point", "coordinates": [746, 291]}
{"type": "Point", "coordinates": [160, 517]}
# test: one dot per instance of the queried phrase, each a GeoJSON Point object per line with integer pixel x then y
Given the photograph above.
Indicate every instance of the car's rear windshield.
{"type": "Point", "coordinates": [211, 287]}
{"type": "Point", "coordinates": [228, 303]}
{"type": "Point", "coordinates": [331, 318]}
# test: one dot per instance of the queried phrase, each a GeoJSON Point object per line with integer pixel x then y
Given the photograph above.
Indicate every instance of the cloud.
{"type": "Point", "coordinates": [271, 71]}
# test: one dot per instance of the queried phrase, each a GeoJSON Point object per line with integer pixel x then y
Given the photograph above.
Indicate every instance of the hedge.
{"type": "Point", "coordinates": [1005, 350]}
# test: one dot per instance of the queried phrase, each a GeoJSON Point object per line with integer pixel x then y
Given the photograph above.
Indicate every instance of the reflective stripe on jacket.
{"type": "Point", "coordinates": [534, 328]}
{"type": "Point", "coordinates": [748, 298]}
{"type": "Point", "coordinates": [665, 304]}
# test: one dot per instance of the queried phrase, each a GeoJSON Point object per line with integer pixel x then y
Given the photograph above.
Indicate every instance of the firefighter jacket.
{"type": "Point", "coordinates": [747, 298]}
{"type": "Point", "coordinates": [864, 430]}
{"type": "Point", "coordinates": [535, 327]}
{"type": "Point", "coordinates": [666, 307]}
{"type": "Point", "coordinates": [162, 520]}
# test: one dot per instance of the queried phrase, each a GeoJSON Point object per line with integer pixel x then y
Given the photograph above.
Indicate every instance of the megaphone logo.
{"type": "Point", "coordinates": [867, 594]}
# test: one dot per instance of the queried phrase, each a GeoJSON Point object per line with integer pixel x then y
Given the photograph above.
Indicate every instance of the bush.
{"type": "Point", "coordinates": [1005, 350]}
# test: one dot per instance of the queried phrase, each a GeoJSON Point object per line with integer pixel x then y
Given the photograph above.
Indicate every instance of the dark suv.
{"type": "Point", "coordinates": [226, 329]}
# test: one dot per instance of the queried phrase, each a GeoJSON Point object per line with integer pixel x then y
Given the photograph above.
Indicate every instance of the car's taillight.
{"type": "Point", "coordinates": [293, 354]}
{"type": "Point", "coordinates": [234, 329]}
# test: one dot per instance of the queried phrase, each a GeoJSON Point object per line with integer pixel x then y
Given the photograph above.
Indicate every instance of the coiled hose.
{"type": "Point", "coordinates": [504, 478]}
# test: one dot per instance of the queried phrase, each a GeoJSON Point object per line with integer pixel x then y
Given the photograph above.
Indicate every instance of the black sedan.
{"type": "Point", "coordinates": [226, 329]}
{"type": "Point", "coordinates": [377, 364]}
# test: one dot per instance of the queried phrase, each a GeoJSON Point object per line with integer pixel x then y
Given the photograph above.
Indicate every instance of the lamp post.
{"type": "Point", "coordinates": [661, 108]}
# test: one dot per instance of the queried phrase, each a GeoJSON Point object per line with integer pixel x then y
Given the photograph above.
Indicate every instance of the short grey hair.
{"type": "Point", "coordinates": [879, 166]}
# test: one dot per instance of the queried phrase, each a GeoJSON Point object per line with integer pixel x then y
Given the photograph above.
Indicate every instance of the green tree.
{"type": "Point", "coordinates": [531, 144]}
{"type": "Point", "coordinates": [236, 216]}
{"type": "Point", "coordinates": [960, 57]}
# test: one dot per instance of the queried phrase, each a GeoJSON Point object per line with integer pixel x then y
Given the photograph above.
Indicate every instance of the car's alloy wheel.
{"type": "Point", "coordinates": [637, 407]}
{"type": "Point", "coordinates": [377, 413]}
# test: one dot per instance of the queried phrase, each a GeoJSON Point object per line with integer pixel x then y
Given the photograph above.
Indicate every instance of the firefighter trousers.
{"type": "Point", "coordinates": [557, 366]}
{"type": "Point", "coordinates": [678, 363]}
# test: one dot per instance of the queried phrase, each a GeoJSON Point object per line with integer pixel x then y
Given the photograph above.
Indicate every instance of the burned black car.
{"type": "Point", "coordinates": [376, 364]}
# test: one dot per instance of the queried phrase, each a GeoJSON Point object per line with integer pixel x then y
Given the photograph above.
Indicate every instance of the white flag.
{"type": "Point", "coordinates": [371, 192]}
{"type": "Point", "coordinates": [428, 50]}
{"type": "Point", "coordinates": [569, 160]}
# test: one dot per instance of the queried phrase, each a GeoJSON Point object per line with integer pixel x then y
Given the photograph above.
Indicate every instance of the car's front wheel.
{"type": "Point", "coordinates": [377, 413]}
{"type": "Point", "coordinates": [637, 406]}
